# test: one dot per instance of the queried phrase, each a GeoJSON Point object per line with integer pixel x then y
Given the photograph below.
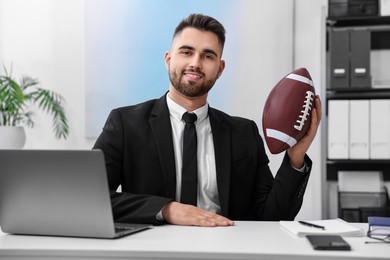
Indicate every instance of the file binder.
{"type": "Point", "coordinates": [384, 7]}
{"type": "Point", "coordinates": [379, 129]}
{"type": "Point", "coordinates": [359, 129]}
{"type": "Point", "coordinates": [338, 58]}
{"type": "Point", "coordinates": [338, 129]}
{"type": "Point", "coordinates": [360, 58]}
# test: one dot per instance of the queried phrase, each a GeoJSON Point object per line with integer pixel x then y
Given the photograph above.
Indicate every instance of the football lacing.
{"type": "Point", "coordinates": [305, 112]}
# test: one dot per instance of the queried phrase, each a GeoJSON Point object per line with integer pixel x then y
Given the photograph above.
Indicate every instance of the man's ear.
{"type": "Point", "coordinates": [221, 67]}
{"type": "Point", "coordinates": [167, 59]}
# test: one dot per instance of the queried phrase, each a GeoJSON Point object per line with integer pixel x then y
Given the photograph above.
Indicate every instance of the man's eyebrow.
{"type": "Point", "coordinates": [188, 47]}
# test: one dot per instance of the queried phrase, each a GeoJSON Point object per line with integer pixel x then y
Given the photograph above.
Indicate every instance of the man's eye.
{"type": "Point", "coordinates": [186, 53]}
{"type": "Point", "coordinates": [209, 56]}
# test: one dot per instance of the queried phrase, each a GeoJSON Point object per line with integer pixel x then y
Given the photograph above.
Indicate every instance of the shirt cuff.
{"type": "Point", "coordinates": [159, 216]}
{"type": "Point", "coordinates": [303, 169]}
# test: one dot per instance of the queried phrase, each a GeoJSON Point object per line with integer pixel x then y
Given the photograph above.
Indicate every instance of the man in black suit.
{"type": "Point", "coordinates": [143, 147]}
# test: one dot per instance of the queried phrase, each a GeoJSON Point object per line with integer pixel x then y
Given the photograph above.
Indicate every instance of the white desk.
{"type": "Point", "coordinates": [246, 240]}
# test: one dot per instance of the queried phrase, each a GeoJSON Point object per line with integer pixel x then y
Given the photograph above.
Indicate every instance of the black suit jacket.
{"type": "Point", "coordinates": [138, 148]}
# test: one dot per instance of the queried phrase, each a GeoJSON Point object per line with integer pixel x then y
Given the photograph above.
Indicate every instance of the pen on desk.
{"type": "Point", "coordinates": [311, 225]}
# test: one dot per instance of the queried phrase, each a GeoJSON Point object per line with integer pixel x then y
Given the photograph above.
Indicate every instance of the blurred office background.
{"type": "Point", "coordinates": [100, 54]}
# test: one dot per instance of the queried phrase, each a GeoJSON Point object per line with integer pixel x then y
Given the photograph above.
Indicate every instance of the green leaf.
{"type": "Point", "coordinates": [16, 99]}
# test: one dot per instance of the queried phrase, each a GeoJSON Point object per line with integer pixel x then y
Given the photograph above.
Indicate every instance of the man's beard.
{"type": "Point", "coordinates": [190, 88]}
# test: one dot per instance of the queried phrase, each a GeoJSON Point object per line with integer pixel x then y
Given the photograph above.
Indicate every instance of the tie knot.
{"type": "Point", "coordinates": [189, 117]}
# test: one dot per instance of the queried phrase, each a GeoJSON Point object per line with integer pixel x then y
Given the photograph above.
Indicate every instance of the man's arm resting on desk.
{"type": "Point", "coordinates": [146, 208]}
{"type": "Point", "coordinates": [133, 208]}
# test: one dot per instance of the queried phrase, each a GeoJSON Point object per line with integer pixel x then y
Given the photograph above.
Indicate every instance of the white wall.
{"type": "Point", "coordinates": [309, 48]}
{"type": "Point", "coordinates": [45, 39]}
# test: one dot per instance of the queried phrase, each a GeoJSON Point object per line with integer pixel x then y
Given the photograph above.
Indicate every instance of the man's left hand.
{"type": "Point", "coordinates": [298, 151]}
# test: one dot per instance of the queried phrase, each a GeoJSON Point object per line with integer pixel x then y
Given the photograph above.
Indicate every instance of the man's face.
{"type": "Point", "coordinates": [194, 62]}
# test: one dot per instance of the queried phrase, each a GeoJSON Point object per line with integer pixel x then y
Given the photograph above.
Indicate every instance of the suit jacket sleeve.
{"type": "Point", "coordinates": [126, 206]}
{"type": "Point", "coordinates": [279, 197]}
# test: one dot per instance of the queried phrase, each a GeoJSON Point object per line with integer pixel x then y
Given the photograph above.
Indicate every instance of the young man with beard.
{"type": "Point", "coordinates": [143, 147]}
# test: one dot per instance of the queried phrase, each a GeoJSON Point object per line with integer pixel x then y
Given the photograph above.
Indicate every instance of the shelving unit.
{"type": "Point", "coordinates": [334, 166]}
{"type": "Point", "coordinates": [349, 81]}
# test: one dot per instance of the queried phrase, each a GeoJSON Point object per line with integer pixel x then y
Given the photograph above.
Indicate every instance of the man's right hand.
{"type": "Point", "coordinates": [187, 215]}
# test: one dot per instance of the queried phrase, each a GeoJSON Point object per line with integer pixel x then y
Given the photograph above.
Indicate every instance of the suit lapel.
{"type": "Point", "coordinates": [160, 124]}
{"type": "Point", "coordinates": [222, 147]}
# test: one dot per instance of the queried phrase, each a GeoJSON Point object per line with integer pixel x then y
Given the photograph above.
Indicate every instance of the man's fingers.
{"type": "Point", "coordinates": [182, 214]}
{"type": "Point", "coordinates": [213, 219]}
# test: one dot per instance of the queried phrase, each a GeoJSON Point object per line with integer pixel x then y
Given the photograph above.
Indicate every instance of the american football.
{"type": "Point", "coordinates": [287, 111]}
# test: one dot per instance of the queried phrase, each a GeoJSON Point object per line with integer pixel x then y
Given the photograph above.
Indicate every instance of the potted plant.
{"type": "Point", "coordinates": [16, 102]}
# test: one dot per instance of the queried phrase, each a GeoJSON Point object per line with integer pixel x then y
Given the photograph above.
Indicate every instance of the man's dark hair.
{"type": "Point", "coordinates": [203, 23]}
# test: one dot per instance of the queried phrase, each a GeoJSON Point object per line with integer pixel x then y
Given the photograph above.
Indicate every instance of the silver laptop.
{"type": "Point", "coordinates": [57, 193]}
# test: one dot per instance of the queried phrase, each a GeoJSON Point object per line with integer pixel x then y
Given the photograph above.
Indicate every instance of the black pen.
{"type": "Point", "coordinates": [311, 225]}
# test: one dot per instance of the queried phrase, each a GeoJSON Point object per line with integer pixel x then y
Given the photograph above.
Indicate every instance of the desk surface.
{"type": "Point", "coordinates": [246, 240]}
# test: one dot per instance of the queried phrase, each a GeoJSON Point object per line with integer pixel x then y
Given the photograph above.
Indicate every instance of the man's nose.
{"type": "Point", "coordinates": [196, 61]}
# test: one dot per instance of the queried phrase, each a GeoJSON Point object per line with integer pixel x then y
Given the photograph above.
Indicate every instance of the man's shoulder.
{"type": "Point", "coordinates": [224, 117]}
{"type": "Point", "coordinates": [146, 105]}
{"type": "Point", "coordinates": [145, 108]}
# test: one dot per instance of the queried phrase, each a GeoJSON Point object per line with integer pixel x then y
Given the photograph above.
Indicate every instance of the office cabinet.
{"type": "Point", "coordinates": [357, 102]}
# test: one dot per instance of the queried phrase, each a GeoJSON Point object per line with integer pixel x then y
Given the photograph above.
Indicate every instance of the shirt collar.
{"type": "Point", "coordinates": [177, 111]}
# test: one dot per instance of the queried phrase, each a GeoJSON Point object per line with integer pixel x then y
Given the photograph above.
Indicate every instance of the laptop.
{"type": "Point", "coordinates": [57, 193]}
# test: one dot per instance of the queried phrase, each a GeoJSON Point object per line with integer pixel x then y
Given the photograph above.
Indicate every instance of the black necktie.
{"type": "Point", "coordinates": [189, 175]}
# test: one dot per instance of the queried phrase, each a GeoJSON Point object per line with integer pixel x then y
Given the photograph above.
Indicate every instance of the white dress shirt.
{"type": "Point", "coordinates": [207, 179]}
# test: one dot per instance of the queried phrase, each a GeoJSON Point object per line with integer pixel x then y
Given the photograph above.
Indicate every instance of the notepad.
{"type": "Point", "coordinates": [332, 227]}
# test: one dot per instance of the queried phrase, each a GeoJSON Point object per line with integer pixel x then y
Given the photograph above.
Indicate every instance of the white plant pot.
{"type": "Point", "coordinates": [12, 137]}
